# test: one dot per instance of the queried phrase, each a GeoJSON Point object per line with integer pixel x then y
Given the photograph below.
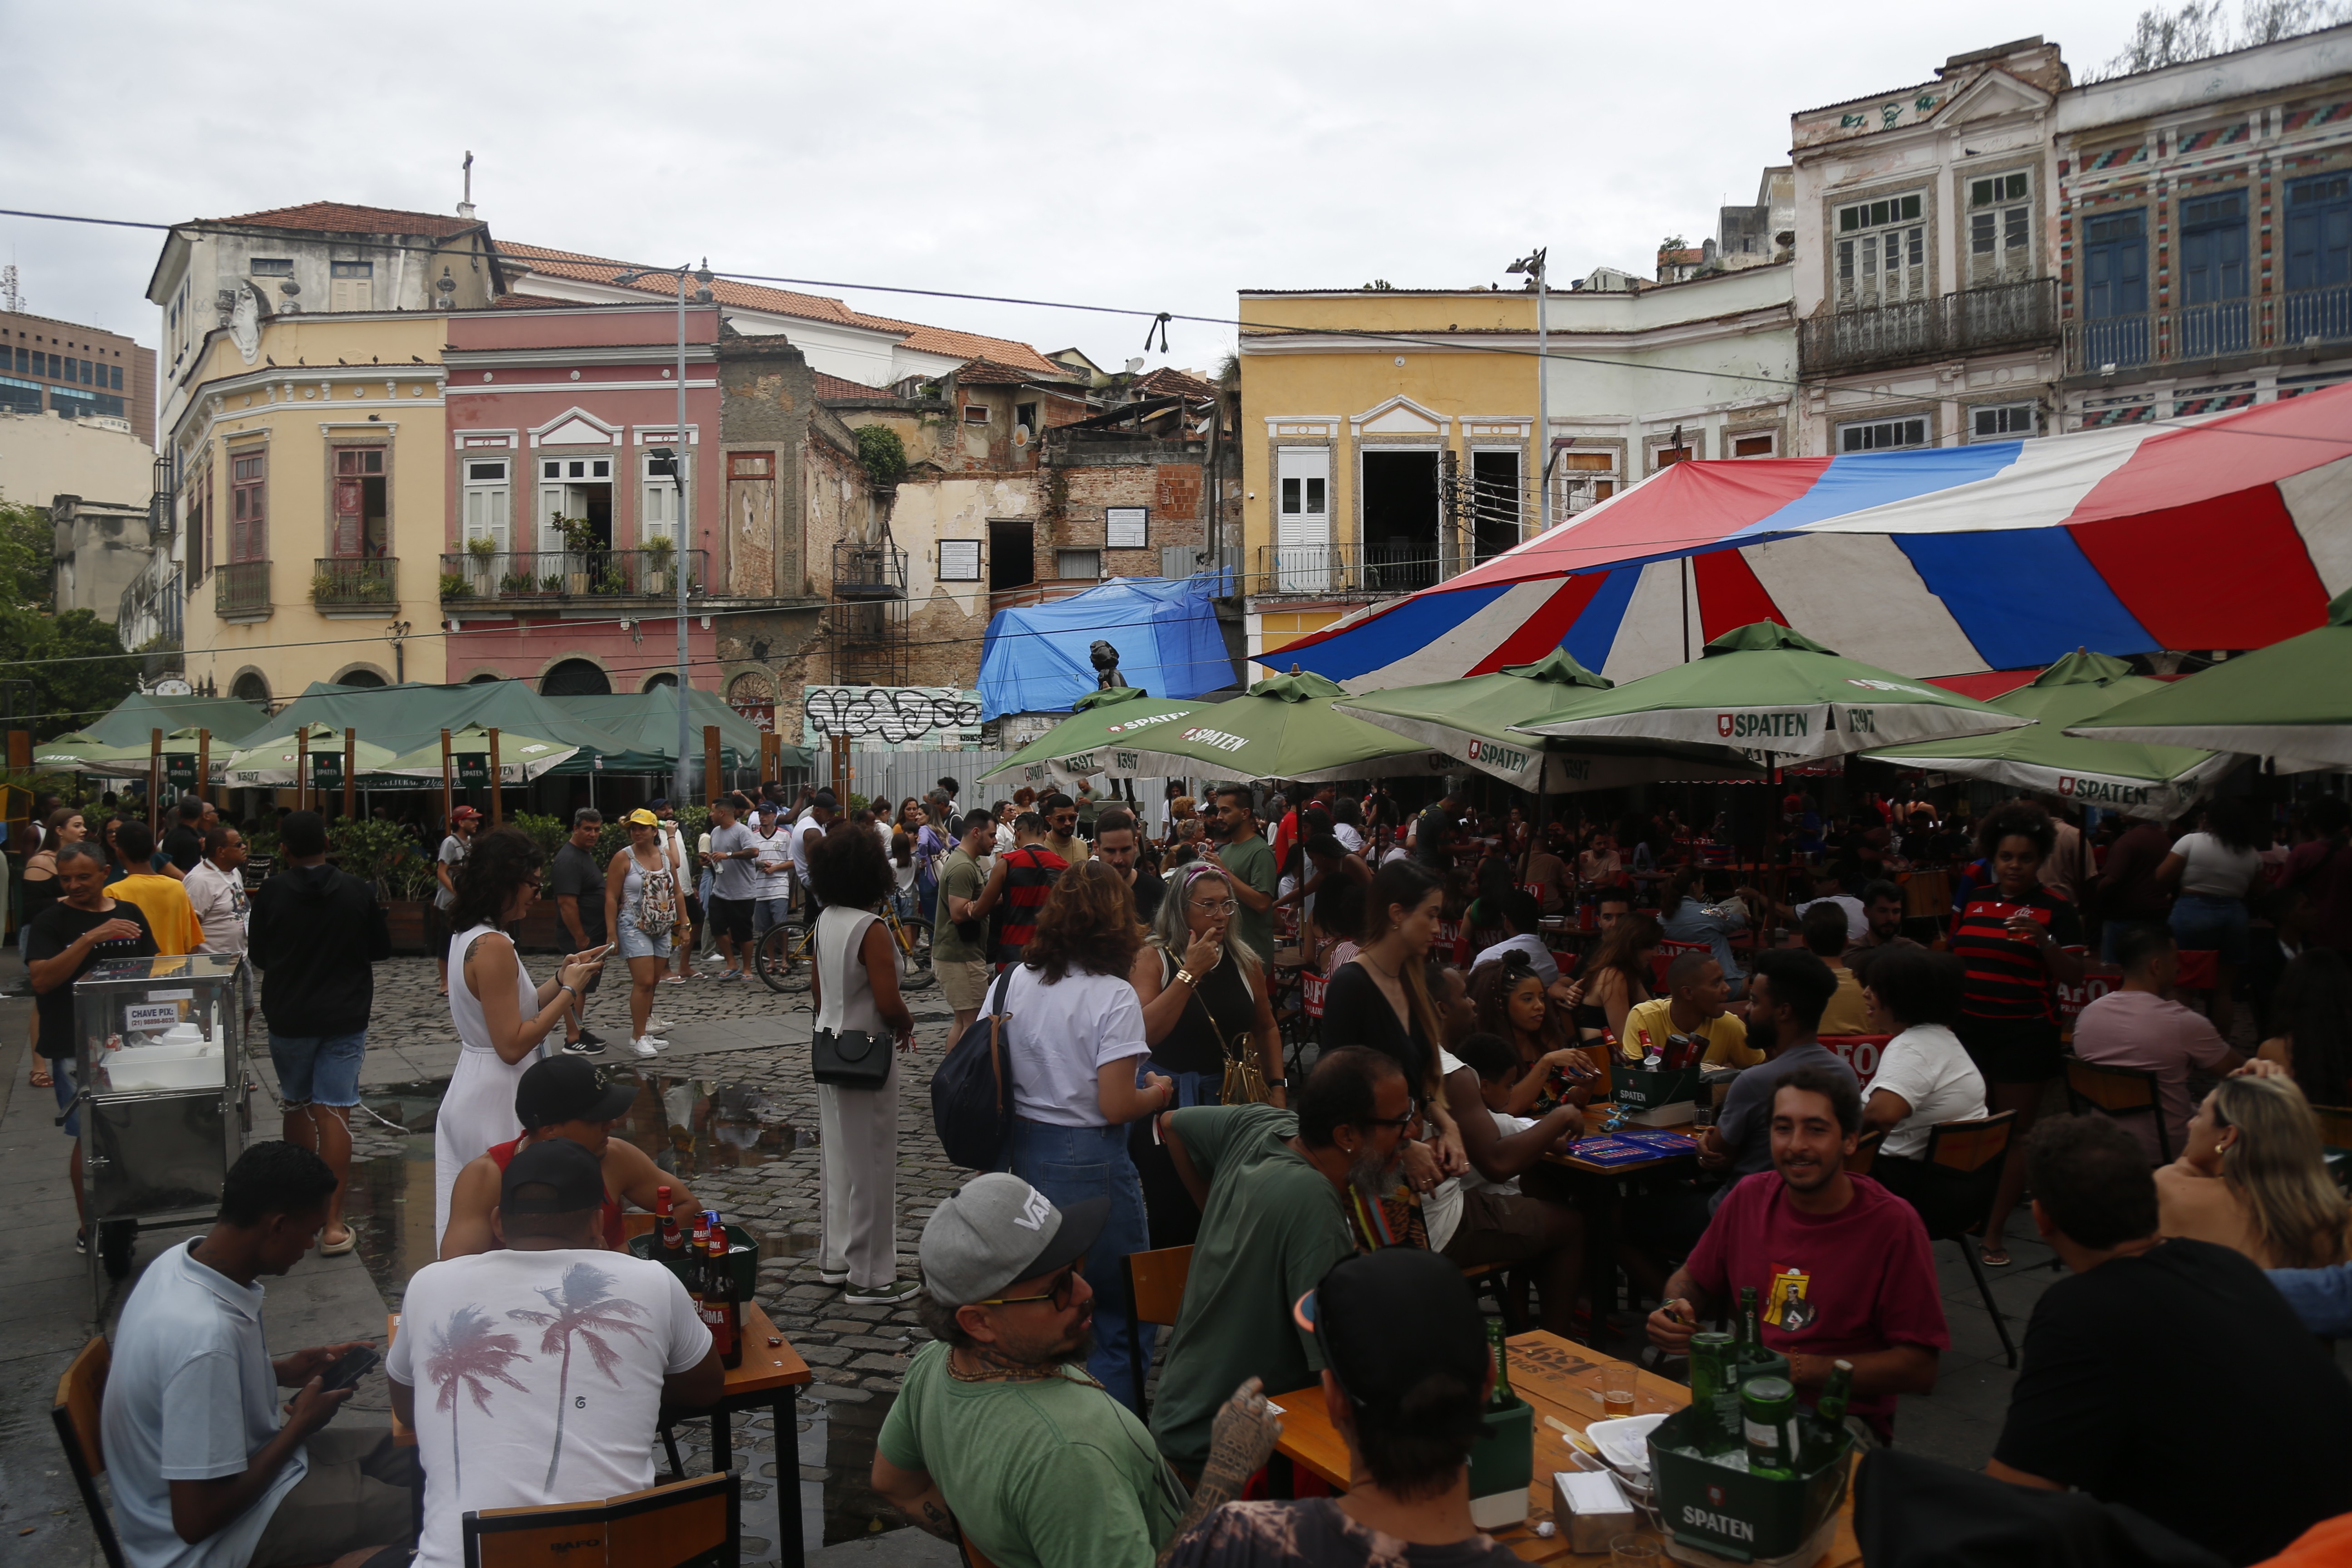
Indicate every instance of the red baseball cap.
{"type": "Point", "coordinates": [465, 813]}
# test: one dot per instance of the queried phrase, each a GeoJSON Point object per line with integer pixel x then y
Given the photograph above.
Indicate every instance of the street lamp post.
{"type": "Point", "coordinates": [1532, 264]}
{"type": "Point", "coordinates": [701, 275]}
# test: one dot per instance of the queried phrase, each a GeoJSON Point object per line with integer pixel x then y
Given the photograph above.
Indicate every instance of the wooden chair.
{"type": "Point", "coordinates": [80, 1398]}
{"type": "Point", "coordinates": [2335, 1125]}
{"type": "Point", "coordinates": [686, 1524]}
{"type": "Point", "coordinates": [1155, 1294]}
{"type": "Point", "coordinates": [1969, 1154]}
{"type": "Point", "coordinates": [1865, 1150]}
{"type": "Point", "coordinates": [2119, 1092]}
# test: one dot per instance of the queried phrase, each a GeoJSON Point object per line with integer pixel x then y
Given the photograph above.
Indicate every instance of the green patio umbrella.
{"type": "Point", "coordinates": [80, 752]}
{"type": "Point", "coordinates": [2128, 777]}
{"type": "Point", "coordinates": [1100, 722]}
{"type": "Point", "coordinates": [521, 758]}
{"type": "Point", "coordinates": [1282, 728]}
{"type": "Point", "coordinates": [272, 763]}
{"type": "Point", "coordinates": [2292, 700]}
{"type": "Point", "coordinates": [1474, 721]}
{"type": "Point", "coordinates": [1778, 695]}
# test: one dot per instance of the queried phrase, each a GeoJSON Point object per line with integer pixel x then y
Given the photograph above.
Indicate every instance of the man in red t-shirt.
{"type": "Point", "coordinates": [1022, 876]}
{"type": "Point", "coordinates": [1842, 1267]}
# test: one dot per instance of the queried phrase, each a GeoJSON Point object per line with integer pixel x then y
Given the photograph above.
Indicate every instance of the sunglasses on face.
{"type": "Point", "coordinates": [1065, 1286]}
{"type": "Point", "coordinates": [1216, 906]}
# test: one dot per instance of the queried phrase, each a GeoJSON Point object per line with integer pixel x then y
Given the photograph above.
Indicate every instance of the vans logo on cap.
{"type": "Point", "coordinates": [1034, 1212]}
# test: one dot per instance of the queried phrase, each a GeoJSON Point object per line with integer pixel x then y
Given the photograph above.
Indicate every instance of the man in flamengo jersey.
{"type": "Point", "coordinates": [1022, 876]}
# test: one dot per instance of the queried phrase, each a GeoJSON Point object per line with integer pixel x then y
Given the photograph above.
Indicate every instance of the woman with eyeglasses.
{"type": "Point", "coordinates": [1075, 1042]}
{"type": "Point", "coordinates": [1209, 1019]}
{"type": "Point", "coordinates": [502, 1019]}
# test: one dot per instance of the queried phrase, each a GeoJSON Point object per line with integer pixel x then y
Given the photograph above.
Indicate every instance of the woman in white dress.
{"type": "Point", "coordinates": [501, 1017]}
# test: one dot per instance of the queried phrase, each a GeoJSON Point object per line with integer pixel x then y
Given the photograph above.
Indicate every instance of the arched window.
{"type": "Point", "coordinates": [575, 678]}
{"type": "Point", "coordinates": [250, 688]}
{"type": "Point", "coordinates": [665, 681]}
{"type": "Point", "coordinates": [364, 678]}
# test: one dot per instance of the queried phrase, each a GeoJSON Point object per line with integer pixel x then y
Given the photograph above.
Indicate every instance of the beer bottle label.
{"type": "Point", "coordinates": [714, 1318]}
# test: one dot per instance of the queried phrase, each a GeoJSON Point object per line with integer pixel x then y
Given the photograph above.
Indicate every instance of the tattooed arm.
{"type": "Point", "coordinates": [914, 1494]}
{"type": "Point", "coordinates": [1240, 1440]}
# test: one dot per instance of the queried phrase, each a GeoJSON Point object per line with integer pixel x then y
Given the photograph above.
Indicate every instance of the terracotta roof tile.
{"type": "Point", "coordinates": [340, 217]}
{"type": "Point", "coordinates": [1167, 382]}
{"type": "Point", "coordinates": [788, 302]}
{"type": "Point", "coordinates": [834, 389]}
{"type": "Point", "coordinates": [988, 372]}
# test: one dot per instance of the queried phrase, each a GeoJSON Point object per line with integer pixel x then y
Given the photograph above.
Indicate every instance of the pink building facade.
{"type": "Point", "coordinates": [564, 540]}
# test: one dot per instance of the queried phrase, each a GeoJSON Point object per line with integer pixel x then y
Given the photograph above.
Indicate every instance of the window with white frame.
{"type": "Point", "coordinates": [2000, 228]}
{"type": "Point", "coordinates": [1882, 435]}
{"type": "Point", "coordinates": [1999, 421]}
{"type": "Point", "coordinates": [488, 503]}
{"type": "Point", "coordinates": [1882, 252]}
{"type": "Point", "coordinates": [1581, 479]}
{"type": "Point", "coordinates": [658, 518]}
{"type": "Point", "coordinates": [1756, 444]}
{"type": "Point", "coordinates": [573, 488]}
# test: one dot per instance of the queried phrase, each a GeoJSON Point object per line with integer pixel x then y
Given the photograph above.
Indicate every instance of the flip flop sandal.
{"type": "Point", "coordinates": [337, 1248]}
{"type": "Point", "coordinates": [1991, 1258]}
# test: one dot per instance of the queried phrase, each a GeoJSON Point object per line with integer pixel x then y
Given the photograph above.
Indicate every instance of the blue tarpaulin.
{"type": "Point", "coordinates": [1036, 659]}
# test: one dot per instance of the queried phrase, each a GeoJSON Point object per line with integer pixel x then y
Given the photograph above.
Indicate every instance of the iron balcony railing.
{"type": "Point", "coordinates": [2305, 319]}
{"type": "Point", "coordinates": [1370, 571]}
{"type": "Point", "coordinates": [556, 576]}
{"type": "Point", "coordinates": [868, 571]}
{"type": "Point", "coordinates": [1973, 321]}
{"type": "Point", "coordinates": [241, 588]}
{"type": "Point", "coordinates": [356, 583]}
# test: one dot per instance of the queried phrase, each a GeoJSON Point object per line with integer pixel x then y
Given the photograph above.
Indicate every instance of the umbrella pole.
{"type": "Point", "coordinates": [444, 781]}
{"type": "Point", "coordinates": [1535, 828]}
{"type": "Point", "coordinates": [302, 762]}
{"type": "Point", "coordinates": [204, 763]}
{"type": "Point", "coordinates": [351, 770]}
{"type": "Point", "coordinates": [497, 786]}
{"type": "Point", "coordinates": [155, 776]}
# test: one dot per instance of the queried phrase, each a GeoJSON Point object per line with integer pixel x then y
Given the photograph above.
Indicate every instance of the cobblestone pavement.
{"type": "Point", "coordinates": [732, 1102]}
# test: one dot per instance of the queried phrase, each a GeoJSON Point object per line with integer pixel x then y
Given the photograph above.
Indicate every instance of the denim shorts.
{"type": "Point", "coordinates": [318, 1069]}
{"type": "Point", "coordinates": [2219, 925]}
{"type": "Point", "coordinates": [61, 1073]}
{"type": "Point", "coordinates": [638, 942]}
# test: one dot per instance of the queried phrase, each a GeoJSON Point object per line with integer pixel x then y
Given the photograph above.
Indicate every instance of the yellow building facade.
{"type": "Point", "coordinates": [1390, 436]}
{"type": "Point", "coordinates": [311, 503]}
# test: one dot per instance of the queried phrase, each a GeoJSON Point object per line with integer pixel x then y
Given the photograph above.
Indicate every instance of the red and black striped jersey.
{"type": "Point", "coordinates": [2007, 978]}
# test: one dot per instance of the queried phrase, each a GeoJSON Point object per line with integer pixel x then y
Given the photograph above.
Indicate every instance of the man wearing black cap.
{"type": "Point", "coordinates": [548, 1361]}
{"type": "Point", "coordinates": [999, 1430]}
{"type": "Point", "coordinates": [1405, 1377]}
{"type": "Point", "coordinates": [560, 1097]}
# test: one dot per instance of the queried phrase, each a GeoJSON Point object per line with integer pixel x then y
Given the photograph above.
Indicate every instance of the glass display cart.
{"type": "Point", "coordinates": [159, 1054]}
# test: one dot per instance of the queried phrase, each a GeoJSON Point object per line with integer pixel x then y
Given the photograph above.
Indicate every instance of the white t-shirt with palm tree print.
{"type": "Point", "coordinates": [538, 1378]}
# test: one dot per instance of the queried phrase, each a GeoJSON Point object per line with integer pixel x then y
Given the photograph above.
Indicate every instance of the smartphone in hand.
{"type": "Point", "coordinates": [348, 1368]}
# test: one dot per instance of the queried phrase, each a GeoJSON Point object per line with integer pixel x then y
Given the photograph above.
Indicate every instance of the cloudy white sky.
{"type": "Point", "coordinates": [1149, 156]}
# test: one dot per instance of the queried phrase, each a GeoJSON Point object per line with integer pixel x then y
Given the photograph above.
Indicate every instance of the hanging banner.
{"type": "Point", "coordinates": [327, 769]}
{"type": "Point", "coordinates": [472, 769]}
{"type": "Point", "coordinates": [180, 771]}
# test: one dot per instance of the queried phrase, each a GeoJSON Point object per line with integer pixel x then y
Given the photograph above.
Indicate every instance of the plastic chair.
{"type": "Point", "coordinates": [1859, 1052]}
{"type": "Point", "coordinates": [1865, 1150]}
{"type": "Point", "coordinates": [686, 1524]}
{"type": "Point", "coordinates": [80, 1398]}
{"type": "Point", "coordinates": [2119, 1092]}
{"type": "Point", "coordinates": [1155, 1294]}
{"type": "Point", "coordinates": [1969, 1153]}
{"type": "Point", "coordinates": [1663, 959]}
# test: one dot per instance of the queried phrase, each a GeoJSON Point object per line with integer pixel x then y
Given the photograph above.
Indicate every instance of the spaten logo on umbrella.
{"type": "Point", "coordinates": [1723, 725]}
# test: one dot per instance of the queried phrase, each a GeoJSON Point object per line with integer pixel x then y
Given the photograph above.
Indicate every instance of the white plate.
{"type": "Point", "coordinates": [1625, 1442]}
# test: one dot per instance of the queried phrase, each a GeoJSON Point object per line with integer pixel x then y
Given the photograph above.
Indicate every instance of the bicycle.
{"type": "Point", "coordinates": [791, 942]}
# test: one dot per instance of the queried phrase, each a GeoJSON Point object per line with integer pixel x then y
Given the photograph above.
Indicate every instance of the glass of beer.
{"type": "Point", "coordinates": [1617, 1390]}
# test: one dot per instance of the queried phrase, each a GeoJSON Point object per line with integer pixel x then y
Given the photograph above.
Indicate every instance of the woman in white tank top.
{"type": "Point", "coordinates": [501, 1017]}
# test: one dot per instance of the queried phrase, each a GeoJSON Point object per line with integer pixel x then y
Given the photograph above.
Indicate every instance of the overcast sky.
{"type": "Point", "coordinates": [1159, 157]}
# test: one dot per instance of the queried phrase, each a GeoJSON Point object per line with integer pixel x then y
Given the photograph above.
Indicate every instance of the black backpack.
{"type": "Point", "coordinates": [972, 1091]}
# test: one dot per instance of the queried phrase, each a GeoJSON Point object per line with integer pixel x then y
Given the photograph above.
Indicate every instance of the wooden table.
{"type": "Point", "coordinates": [770, 1375]}
{"type": "Point", "coordinates": [1561, 1379]}
{"type": "Point", "coordinates": [1596, 1195]}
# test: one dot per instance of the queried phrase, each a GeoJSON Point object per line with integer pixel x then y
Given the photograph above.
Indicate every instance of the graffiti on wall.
{"type": "Point", "coordinates": [938, 715]}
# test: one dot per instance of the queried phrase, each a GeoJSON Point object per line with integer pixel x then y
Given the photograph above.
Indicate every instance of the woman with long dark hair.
{"type": "Point", "coordinates": [1076, 1043]}
{"type": "Point", "coordinates": [853, 986]}
{"type": "Point", "coordinates": [501, 1017]}
{"type": "Point", "coordinates": [1513, 1005]}
{"type": "Point", "coordinates": [1617, 977]}
{"type": "Point", "coordinates": [2019, 941]}
{"type": "Point", "coordinates": [1381, 999]}
{"type": "Point", "coordinates": [2312, 1011]}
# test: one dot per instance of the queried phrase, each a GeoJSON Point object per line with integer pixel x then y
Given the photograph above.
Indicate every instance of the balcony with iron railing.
{"type": "Point", "coordinates": [868, 571]}
{"type": "Point", "coordinates": [241, 590]}
{"type": "Point", "coordinates": [1974, 320]}
{"type": "Point", "coordinates": [555, 577]}
{"type": "Point", "coordinates": [1351, 570]}
{"type": "Point", "coordinates": [356, 583]}
{"type": "Point", "coordinates": [2306, 318]}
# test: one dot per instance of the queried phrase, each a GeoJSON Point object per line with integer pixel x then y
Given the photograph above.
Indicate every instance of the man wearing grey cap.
{"type": "Point", "coordinates": [999, 1434]}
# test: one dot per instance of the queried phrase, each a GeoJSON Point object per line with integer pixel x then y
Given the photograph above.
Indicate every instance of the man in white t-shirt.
{"type": "Point", "coordinates": [1523, 917]}
{"type": "Point", "coordinates": [808, 831]}
{"type": "Point", "coordinates": [204, 1472]}
{"type": "Point", "coordinates": [547, 1363]}
{"type": "Point", "coordinates": [1830, 888]}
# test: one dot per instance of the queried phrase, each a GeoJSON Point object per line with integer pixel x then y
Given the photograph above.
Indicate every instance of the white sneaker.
{"type": "Point", "coordinates": [646, 1045]}
{"type": "Point", "coordinates": [652, 1024]}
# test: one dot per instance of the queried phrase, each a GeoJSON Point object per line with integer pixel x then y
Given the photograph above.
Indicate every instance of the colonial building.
{"type": "Point", "coordinates": [1926, 301]}
{"type": "Point", "coordinates": [2204, 232]}
{"type": "Point", "coordinates": [1392, 433]}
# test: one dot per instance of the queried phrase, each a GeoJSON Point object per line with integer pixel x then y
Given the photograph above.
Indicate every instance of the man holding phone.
{"type": "Point", "coordinates": [205, 1469]}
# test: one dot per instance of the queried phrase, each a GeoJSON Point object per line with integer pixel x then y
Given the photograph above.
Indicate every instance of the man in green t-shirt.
{"type": "Point", "coordinates": [998, 1433]}
{"type": "Point", "coordinates": [1248, 859]}
{"type": "Point", "coordinates": [960, 962]}
{"type": "Point", "coordinates": [1271, 1187]}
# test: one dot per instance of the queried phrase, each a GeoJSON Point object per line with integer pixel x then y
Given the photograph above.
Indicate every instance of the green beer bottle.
{"type": "Point", "coordinates": [1712, 1385]}
{"type": "Point", "coordinates": [1502, 1398]}
{"type": "Point", "coordinates": [1768, 1421]}
{"type": "Point", "coordinates": [1751, 1329]}
{"type": "Point", "coordinates": [1836, 1393]}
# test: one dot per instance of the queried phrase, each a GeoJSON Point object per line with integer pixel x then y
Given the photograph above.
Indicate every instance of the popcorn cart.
{"type": "Point", "coordinates": [159, 1054]}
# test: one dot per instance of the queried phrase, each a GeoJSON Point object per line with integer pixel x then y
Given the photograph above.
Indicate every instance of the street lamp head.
{"type": "Point", "coordinates": [626, 278]}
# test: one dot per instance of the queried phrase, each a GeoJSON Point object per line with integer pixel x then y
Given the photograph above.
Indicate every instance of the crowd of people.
{"type": "Point", "coordinates": [1341, 1050]}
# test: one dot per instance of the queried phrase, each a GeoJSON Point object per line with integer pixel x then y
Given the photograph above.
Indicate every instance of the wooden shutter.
{"type": "Point", "coordinates": [349, 505]}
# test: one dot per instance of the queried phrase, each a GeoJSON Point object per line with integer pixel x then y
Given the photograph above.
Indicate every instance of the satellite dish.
{"type": "Point", "coordinates": [1020, 434]}
{"type": "Point", "coordinates": [1134, 366]}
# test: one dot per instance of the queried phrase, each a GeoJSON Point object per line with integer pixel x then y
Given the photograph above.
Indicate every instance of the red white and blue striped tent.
{"type": "Point", "coordinates": [2228, 531]}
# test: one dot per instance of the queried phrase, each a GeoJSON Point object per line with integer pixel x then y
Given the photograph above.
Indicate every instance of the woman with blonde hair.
{"type": "Point", "coordinates": [2252, 1177]}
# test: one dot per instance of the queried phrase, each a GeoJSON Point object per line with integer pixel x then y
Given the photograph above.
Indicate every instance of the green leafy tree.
{"type": "Point", "coordinates": [64, 696]}
{"type": "Point", "coordinates": [882, 453]}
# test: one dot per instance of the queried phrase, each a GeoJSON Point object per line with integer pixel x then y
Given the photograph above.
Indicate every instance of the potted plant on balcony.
{"type": "Point", "coordinates": [454, 587]}
{"type": "Point", "coordinates": [580, 543]}
{"type": "Point", "coordinates": [660, 552]}
{"type": "Point", "coordinates": [481, 556]}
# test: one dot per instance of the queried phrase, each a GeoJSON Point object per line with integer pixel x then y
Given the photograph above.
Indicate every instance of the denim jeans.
{"type": "Point", "coordinates": [1070, 1164]}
